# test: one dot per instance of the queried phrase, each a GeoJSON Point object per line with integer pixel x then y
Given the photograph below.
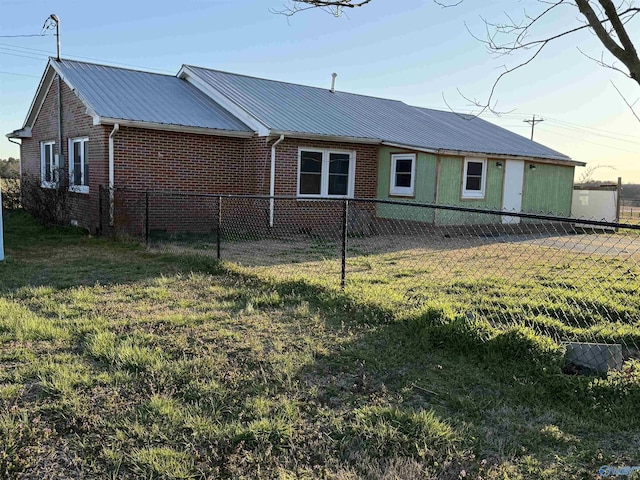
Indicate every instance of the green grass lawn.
{"type": "Point", "coordinates": [117, 362]}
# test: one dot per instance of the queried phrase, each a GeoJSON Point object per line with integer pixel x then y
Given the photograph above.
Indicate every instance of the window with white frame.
{"type": "Point", "coordinates": [403, 172]}
{"type": "Point", "coordinates": [474, 178]}
{"type": "Point", "coordinates": [48, 165]}
{"type": "Point", "coordinates": [79, 165]}
{"type": "Point", "coordinates": [325, 173]}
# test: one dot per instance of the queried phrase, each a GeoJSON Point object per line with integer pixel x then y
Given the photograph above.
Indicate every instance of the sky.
{"type": "Point", "coordinates": [409, 50]}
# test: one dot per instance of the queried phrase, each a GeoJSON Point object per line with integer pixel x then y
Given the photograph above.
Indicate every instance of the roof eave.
{"type": "Point", "coordinates": [325, 138]}
{"type": "Point", "coordinates": [20, 133]}
{"type": "Point", "coordinates": [173, 128]}
{"type": "Point", "coordinates": [248, 118]}
{"type": "Point", "coordinates": [464, 153]}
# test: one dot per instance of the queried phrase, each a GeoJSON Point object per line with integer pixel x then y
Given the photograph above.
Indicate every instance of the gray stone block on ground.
{"type": "Point", "coordinates": [600, 357]}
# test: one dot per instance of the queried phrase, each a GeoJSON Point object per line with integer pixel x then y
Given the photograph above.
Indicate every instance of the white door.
{"type": "Point", "coordinates": [512, 189]}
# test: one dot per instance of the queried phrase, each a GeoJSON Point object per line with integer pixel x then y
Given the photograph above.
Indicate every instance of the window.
{"type": "Point", "coordinates": [48, 165]}
{"type": "Point", "coordinates": [475, 177]}
{"type": "Point", "coordinates": [79, 165]}
{"type": "Point", "coordinates": [325, 173]}
{"type": "Point", "coordinates": [403, 170]}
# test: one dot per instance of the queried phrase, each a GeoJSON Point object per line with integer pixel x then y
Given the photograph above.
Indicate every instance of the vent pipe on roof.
{"type": "Point", "coordinates": [333, 82]}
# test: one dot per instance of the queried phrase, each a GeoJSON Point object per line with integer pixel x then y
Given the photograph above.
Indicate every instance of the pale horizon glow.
{"type": "Point", "coordinates": [414, 51]}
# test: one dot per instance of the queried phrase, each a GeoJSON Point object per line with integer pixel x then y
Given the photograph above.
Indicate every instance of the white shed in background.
{"type": "Point", "coordinates": [597, 203]}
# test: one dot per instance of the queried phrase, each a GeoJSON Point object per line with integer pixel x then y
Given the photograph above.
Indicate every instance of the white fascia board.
{"type": "Point", "coordinates": [326, 138]}
{"type": "Point", "coordinates": [89, 109]}
{"type": "Point", "coordinates": [409, 147]}
{"type": "Point", "coordinates": [38, 98]}
{"type": "Point", "coordinates": [173, 128]}
{"type": "Point", "coordinates": [225, 102]}
{"type": "Point", "coordinates": [21, 133]}
{"type": "Point", "coordinates": [501, 156]}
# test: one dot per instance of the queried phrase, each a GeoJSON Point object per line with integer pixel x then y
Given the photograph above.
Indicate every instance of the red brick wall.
{"type": "Point", "coordinates": [153, 160]}
{"type": "Point", "coordinates": [159, 161]}
{"type": "Point", "coordinates": [75, 123]}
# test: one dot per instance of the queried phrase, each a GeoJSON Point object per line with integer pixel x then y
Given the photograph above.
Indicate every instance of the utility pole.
{"type": "Point", "coordinates": [55, 18]}
{"type": "Point", "coordinates": [533, 122]}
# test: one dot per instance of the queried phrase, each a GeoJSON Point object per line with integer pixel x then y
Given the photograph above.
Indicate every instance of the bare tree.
{"type": "Point", "coordinates": [604, 18]}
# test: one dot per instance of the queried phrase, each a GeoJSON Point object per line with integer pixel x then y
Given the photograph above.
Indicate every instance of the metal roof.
{"type": "Point", "coordinates": [287, 107]}
{"type": "Point", "coordinates": [119, 93]}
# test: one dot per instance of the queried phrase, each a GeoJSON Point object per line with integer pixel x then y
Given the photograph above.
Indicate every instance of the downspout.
{"type": "Point", "coordinates": [60, 157]}
{"type": "Point", "coordinates": [116, 127]}
{"type": "Point", "coordinates": [272, 180]}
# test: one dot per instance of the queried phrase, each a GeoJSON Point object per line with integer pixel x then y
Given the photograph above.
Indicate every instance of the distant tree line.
{"type": "Point", "coordinates": [631, 191]}
{"type": "Point", "coordinates": [10, 168]}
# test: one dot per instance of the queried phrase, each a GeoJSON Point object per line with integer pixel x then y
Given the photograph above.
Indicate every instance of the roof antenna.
{"type": "Point", "coordinates": [55, 18]}
{"type": "Point", "coordinates": [333, 82]}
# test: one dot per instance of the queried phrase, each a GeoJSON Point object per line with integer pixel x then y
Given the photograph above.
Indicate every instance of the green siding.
{"type": "Point", "coordinates": [547, 189]}
{"type": "Point", "coordinates": [425, 187]}
{"type": "Point", "coordinates": [450, 193]}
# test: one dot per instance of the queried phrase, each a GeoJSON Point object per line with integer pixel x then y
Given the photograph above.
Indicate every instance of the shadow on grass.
{"type": "Point", "coordinates": [432, 393]}
{"type": "Point", "coordinates": [66, 257]}
{"type": "Point", "coordinates": [500, 392]}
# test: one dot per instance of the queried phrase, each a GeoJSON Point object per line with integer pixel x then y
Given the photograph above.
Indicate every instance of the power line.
{"type": "Point", "coordinates": [17, 74]}
{"type": "Point", "coordinates": [24, 36]}
{"type": "Point", "coordinates": [23, 56]}
{"type": "Point", "coordinates": [589, 141]}
{"type": "Point", "coordinates": [48, 53]}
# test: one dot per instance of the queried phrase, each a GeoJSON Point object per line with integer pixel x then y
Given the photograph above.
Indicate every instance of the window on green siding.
{"type": "Point", "coordinates": [325, 173]}
{"type": "Point", "coordinates": [403, 169]}
{"type": "Point", "coordinates": [79, 165]}
{"type": "Point", "coordinates": [474, 178]}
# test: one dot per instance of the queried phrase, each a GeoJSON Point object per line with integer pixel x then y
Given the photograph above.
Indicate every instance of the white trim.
{"type": "Point", "coordinates": [326, 138]}
{"type": "Point", "coordinates": [324, 173]}
{"type": "Point", "coordinates": [502, 156]}
{"type": "Point", "coordinates": [272, 179]}
{"type": "Point", "coordinates": [188, 75]}
{"type": "Point", "coordinates": [82, 188]}
{"type": "Point", "coordinates": [173, 128]}
{"type": "Point", "coordinates": [435, 151]}
{"type": "Point", "coordinates": [474, 194]}
{"type": "Point", "coordinates": [52, 167]}
{"type": "Point", "coordinates": [393, 188]}
{"type": "Point", "coordinates": [39, 97]}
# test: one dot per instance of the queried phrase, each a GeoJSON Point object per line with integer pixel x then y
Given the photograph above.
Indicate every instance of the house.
{"type": "Point", "coordinates": [206, 131]}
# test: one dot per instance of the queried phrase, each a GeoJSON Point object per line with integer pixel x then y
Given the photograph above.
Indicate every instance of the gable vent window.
{"type": "Point", "coordinates": [403, 172]}
{"type": "Point", "coordinates": [474, 178]}
{"type": "Point", "coordinates": [325, 173]}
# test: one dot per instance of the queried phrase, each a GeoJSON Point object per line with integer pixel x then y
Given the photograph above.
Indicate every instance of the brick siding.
{"type": "Point", "coordinates": [75, 123]}
{"type": "Point", "coordinates": [154, 160]}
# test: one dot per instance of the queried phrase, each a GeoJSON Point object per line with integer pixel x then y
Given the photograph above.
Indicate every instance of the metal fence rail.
{"type": "Point", "coordinates": [573, 281]}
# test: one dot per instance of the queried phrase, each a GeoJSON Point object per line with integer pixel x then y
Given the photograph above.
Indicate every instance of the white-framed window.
{"type": "Point", "coordinates": [474, 179]}
{"type": "Point", "coordinates": [48, 165]}
{"type": "Point", "coordinates": [326, 173]}
{"type": "Point", "coordinates": [403, 173]}
{"type": "Point", "coordinates": [79, 165]}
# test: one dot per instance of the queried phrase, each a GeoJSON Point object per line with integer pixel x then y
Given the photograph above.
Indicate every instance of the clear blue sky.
{"type": "Point", "coordinates": [410, 50]}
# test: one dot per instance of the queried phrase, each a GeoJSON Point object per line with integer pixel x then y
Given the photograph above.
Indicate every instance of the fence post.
{"type": "Point", "coordinates": [345, 223]}
{"type": "Point", "coordinates": [218, 227]}
{"type": "Point", "coordinates": [146, 218]}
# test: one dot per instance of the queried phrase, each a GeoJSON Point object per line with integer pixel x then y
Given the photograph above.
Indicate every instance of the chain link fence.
{"type": "Point", "coordinates": [575, 282]}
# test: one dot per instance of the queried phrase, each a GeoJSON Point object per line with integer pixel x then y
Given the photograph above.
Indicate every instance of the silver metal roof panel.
{"type": "Point", "coordinates": [119, 93]}
{"type": "Point", "coordinates": [294, 108]}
